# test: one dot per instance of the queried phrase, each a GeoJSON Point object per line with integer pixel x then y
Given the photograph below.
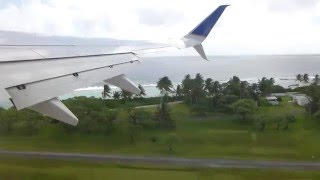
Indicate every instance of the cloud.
{"type": "Point", "coordinates": [86, 27]}
{"type": "Point", "coordinates": [246, 27]}
{"type": "Point", "coordinates": [292, 5]}
{"type": "Point", "coordinates": [5, 4]}
{"type": "Point", "coordinates": [159, 17]}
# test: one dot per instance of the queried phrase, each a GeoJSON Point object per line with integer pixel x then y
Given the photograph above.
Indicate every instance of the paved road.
{"type": "Point", "coordinates": [208, 163]}
{"type": "Point", "coordinates": [156, 105]}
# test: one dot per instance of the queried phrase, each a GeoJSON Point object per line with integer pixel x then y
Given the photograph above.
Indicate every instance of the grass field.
{"type": "Point", "coordinates": [58, 169]}
{"type": "Point", "coordinates": [212, 136]}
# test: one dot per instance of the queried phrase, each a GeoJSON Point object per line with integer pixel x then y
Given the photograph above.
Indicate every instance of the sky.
{"type": "Point", "coordinates": [248, 27]}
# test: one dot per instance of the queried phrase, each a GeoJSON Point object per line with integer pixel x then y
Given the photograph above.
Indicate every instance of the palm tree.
{"type": "Point", "coordinates": [316, 80]}
{"type": "Point", "coordinates": [272, 81]}
{"type": "Point", "coordinates": [142, 91]}
{"type": "Point", "coordinates": [266, 86]}
{"type": "Point", "coordinates": [106, 91]}
{"type": "Point", "coordinates": [208, 86]}
{"type": "Point", "coordinates": [179, 91]}
{"type": "Point", "coordinates": [217, 87]}
{"type": "Point", "coordinates": [243, 88]}
{"type": "Point", "coordinates": [116, 95]}
{"type": "Point", "coordinates": [299, 78]}
{"type": "Point", "coordinates": [197, 90]}
{"type": "Point", "coordinates": [126, 94]}
{"type": "Point", "coordinates": [187, 86]}
{"type": "Point", "coordinates": [199, 79]}
{"type": "Point", "coordinates": [233, 86]}
{"type": "Point", "coordinates": [164, 85]}
{"type": "Point", "coordinates": [235, 80]}
{"type": "Point", "coordinates": [306, 78]}
{"type": "Point", "coordinates": [255, 92]}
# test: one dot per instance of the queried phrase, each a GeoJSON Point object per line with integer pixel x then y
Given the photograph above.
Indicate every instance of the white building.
{"type": "Point", "coordinates": [300, 99]}
{"type": "Point", "coordinates": [272, 100]}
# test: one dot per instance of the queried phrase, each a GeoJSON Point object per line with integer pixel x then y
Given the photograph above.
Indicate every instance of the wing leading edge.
{"type": "Point", "coordinates": [34, 75]}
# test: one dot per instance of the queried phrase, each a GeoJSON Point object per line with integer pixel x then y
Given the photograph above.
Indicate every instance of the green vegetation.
{"type": "Point", "coordinates": [244, 107]}
{"type": "Point", "coordinates": [163, 117]}
{"type": "Point", "coordinates": [11, 168]}
{"type": "Point", "coordinates": [213, 135]}
{"type": "Point", "coordinates": [228, 120]}
{"type": "Point", "coordinates": [313, 92]}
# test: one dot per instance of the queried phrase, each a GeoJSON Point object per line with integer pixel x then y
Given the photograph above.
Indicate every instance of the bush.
{"type": "Point", "coordinates": [163, 117]}
{"type": "Point", "coordinates": [260, 124]}
{"type": "Point", "coordinates": [25, 128]}
{"type": "Point", "coordinates": [244, 107]}
{"type": "Point", "coordinates": [171, 140]}
{"type": "Point", "coordinates": [154, 139]}
{"type": "Point", "coordinates": [201, 107]}
{"type": "Point", "coordinates": [290, 118]}
{"type": "Point", "coordinates": [263, 102]}
{"type": "Point", "coordinates": [317, 115]}
{"type": "Point", "coordinates": [133, 131]}
{"type": "Point", "coordinates": [97, 122]}
{"type": "Point", "coordinates": [142, 117]}
{"type": "Point", "coordinates": [7, 120]}
{"type": "Point", "coordinates": [278, 89]}
{"type": "Point", "coordinates": [222, 103]}
{"type": "Point", "coordinates": [278, 121]}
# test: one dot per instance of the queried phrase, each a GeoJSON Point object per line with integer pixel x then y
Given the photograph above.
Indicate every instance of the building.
{"type": "Point", "coordinates": [272, 100]}
{"type": "Point", "coordinates": [300, 99]}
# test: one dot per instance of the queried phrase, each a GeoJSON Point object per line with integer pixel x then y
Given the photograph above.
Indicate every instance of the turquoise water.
{"type": "Point", "coordinates": [151, 91]}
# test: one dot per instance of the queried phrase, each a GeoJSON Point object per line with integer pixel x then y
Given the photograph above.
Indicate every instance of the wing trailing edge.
{"type": "Point", "coordinates": [200, 50]}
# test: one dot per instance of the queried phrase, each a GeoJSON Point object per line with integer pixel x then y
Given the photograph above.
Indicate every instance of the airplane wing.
{"type": "Point", "coordinates": [35, 70]}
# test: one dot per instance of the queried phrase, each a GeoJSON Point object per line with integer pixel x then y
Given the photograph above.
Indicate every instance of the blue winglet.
{"type": "Point", "coordinates": [204, 28]}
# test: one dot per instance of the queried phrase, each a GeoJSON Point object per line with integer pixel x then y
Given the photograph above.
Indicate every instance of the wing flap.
{"type": "Point", "coordinates": [123, 82]}
{"type": "Point", "coordinates": [55, 109]}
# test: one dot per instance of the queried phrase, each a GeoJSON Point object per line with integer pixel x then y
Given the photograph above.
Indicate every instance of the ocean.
{"type": "Point", "coordinates": [283, 68]}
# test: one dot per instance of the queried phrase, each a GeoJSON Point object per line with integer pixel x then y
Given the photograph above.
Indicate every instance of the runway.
{"type": "Point", "coordinates": [185, 162]}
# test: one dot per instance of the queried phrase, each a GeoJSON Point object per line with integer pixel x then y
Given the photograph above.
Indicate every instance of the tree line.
{"type": "Point", "coordinates": [206, 95]}
{"type": "Point", "coordinates": [196, 90]}
{"type": "Point", "coordinates": [304, 78]}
